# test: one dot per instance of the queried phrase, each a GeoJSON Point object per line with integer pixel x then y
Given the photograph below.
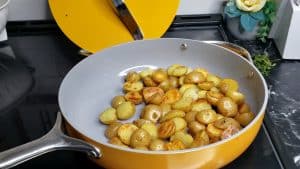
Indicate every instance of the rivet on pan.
{"type": "Point", "coordinates": [84, 52]}
{"type": "Point", "coordinates": [250, 75]}
{"type": "Point", "coordinates": [183, 46]}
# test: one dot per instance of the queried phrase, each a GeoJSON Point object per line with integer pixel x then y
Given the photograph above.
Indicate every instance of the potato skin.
{"type": "Point", "coordinates": [125, 110]}
{"type": "Point", "coordinates": [157, 145]}
{"type": "Point", "coordinates": [227, 107]}
{"type": "Point", "coordinates": [108, 116]}
{"type": "Point", "coordinates": [140, 138]}
{"type": "Point", "coordinates": [125, 132]}
{"type": "Point", "coordinates": [117, 100]}
{"type": "Point", "coordinates": [112, 130]}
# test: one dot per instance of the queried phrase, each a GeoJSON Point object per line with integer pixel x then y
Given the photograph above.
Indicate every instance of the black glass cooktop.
{"type": "Point", "coordinates": [38, 56]}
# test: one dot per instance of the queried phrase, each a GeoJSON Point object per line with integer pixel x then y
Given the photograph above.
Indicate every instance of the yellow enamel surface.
{"type": "Point", "coordinates": [93, 25]}
{"type": "Point", "coordinates": [212, 157]}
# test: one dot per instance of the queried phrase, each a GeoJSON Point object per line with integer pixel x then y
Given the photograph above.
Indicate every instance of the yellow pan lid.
{"type": "Point", "coordinates": [93, 24]}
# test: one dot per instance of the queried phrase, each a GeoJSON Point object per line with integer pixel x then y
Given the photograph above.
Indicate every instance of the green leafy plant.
{"type": "Point", "coordinates": [264, 64]}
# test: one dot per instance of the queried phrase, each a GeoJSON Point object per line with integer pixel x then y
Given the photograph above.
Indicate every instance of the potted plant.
{"type": "Point", "coordinates": [250, 19]}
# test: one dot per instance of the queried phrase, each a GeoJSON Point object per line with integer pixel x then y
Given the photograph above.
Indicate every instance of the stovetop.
{"type": "Point", "coordinates": [44, 53]}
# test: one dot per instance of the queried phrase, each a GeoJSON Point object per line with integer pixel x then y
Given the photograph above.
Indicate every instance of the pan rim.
{"type": "Point", "coordinates": [260, 113]}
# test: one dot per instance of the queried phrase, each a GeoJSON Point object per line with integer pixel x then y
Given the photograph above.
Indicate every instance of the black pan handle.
{"type": "Point", "coordinates": [54, 140]}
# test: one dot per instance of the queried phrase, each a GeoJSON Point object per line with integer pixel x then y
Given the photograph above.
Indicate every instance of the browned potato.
{"type": "Point", "coordinates": [175, 145]}
{"type": "Point", "coordinates": [166, 129]}
{"type": "Point", "coordinates": [141, 148]}
{"type": "Point", "coordinates": [140, 122]}
{"type": "Point", "coordinates": [152, 93]}
{"type": "Point", "coordinates": [132, 77]}
{"type": "Point", "coordinates": [213, 132]}
{"type": "Point", "coordinates": [171, 96]}
{"type": "Point", "coordinates": [192, 93]}
{"type": "Point", "coordinates": [185, 138]}
{"type": "Point", "coordinates": [108, 116]}
{"type": "Point", "coordinates": [152, 112]}
{"type": "Point", "coordinates": [200, 139]}
{"type": "Point", "coordinates": [171, 69]}
{"type": "Point", "coordinates": [244, 108]}
{"type": "Point", "coordinates": [205, 85]}
{"type": "Point", "coordinates": [214, 89]}
{"type": "Point", "coordinates": [190, 116]}
{"type": "Point", "coordinates": [195, 127]}
{"type": "Point", "coordinates": [134, 97]}
{"type": "Point", "coordinates": [140, 138]}
{"type": "Point", "coordinates": [213, 78]}
{"type": "Point", "coordinates": [117, 141]}
{"type": "Point", "coordinates": [213, 97]}
{"type": "Point", "coordinates": [149, 82]}
{"type": "Point", "coordinates": [112, 130]}
{"type": "Point", "coordinates": [146, 72]}
{"type": "Point", "coordinates": [200, 105]}
{"type": "Point", "coordinates": [194, 77]}
{"type": "Point", "coordinates": [237, 97]}
{"type": "Point", "coordinates": [151, 129]}
{"type": "Point", "coordinates": [181, 80]}
{"type": "Point", "coordinates": [173, 82]}
{"type": "Point", "coordinates": [177, 70]}
{"type": "Point", "coordinates": [184, 104]}
{"type": "Point", "coordinates": [157, 145]}
{"type": "Point", "coordinates": [244, 118]}
{"type": "Point", "coordinates": [184, 87]}
{"type": "Point", "coordinates": [117, 100]}
{"type": "Point", "coordinates": [228, 85]}
{"type": "Point", "coordinates": [226, 122]}
{"type": "Point", "coordinates": [219, 116]}
{"type": "Point", "coordinates": [165, 108]}
{"type": "Point", "coordinates": [133, 86]}
{"type": "Point", "coordinates": [172, 114]}
{"type": "Point", "coordinates": [125, 110]}
{"type": "Point", "coordinates": [180, 123]}
{"type": "Point", "coordinates": [202, 94]}
{"type": "Point", "coordinates": [159, 75]}
{"type": "Point", "coordinates": [165, 85]}
{"type": "Point", "coordinates": [125, 132]}
{"type": "Point", "coordinates": [203, 71]}
{"type": "Point", "coordinates": [206, 116]}
{"type": "Point", "coordinates": [229, 131]}
{"type": "Point", "coordinates": [227, 107]}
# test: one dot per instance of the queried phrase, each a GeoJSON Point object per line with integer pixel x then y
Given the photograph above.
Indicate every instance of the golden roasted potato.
{"type": "Point", "coordinates": [226, 122]}
{"type": "Point", "coordinates": [112, 130]}
{"type": "Point", "coordinates": [229, 131]}
{"type": "Point", "coordinates": [194, 78]}
{"type": "Point", "coordinates": [184, 104]}
{"type": "Point", "coordinates": [108, 116]}
{"type": "Point", "coordinates": [157, 145]}
{"type": "Point", "coordinates": [181, 80]}
{"type": "Point", "coordinates": [237, 97]}
{"type": "Point", "coordinates": [192, 93]}
{"type": "Point", "coordinates": [149, 82]}
{"type": "Point", "coordinates": [117, 100]}
{"type": "Point", "coordinates": [133, 86]}
{"type": "Point", "coordinates": [227, 107]}
{"type": "Point", "coordinates": [184, 87]}
{"type": "Point", "coordinates": [195, 127]}
{"type": "Point", "coordinates": [180, 123]}
{"type": "Point", "coordinates": [190, 116]}
{"type": "Point", "coordinates": [203, 71]}
{"type": "Point", "coordinates": [200, 139]}
{"type": "Point", "coordinates": [117, 141]}
{"type": "Point", "coordinates": [179, 71]}
{"type": "Point", "coordinates": [171, 96]}
{"type": "Point", "coordinates": [206, 116]}
{"type": "Point", "coordinates": [200, 105]}
{"type": "Point", "coordinates": [175, 145]}
{"type": "Point", "coordinates": [171, 69]}
{"type": "Point", "coordinates": [146, 72]}
{"type": "Point", "coordinates": [185, 138]}
{"type": "Point", "coordinates": [152, 112]}
{"type": "Point", "coordinates": [140, 122]}
{"type": "Point", "coordinates": [174, 83]}
{"type": "Point", "coordinates": [213, 97]}
{"type": "Point", "coordinates": [202, 94]}
{"type": "Point", "coordinates": [125, 110]}
{"type": "Point", "coordinates": [141, 148]}
{"type": "Point", "coordinates": [166, 129]}
{"type": "Point", "coordinates": [244, 118]}
{"type": "Point", "coordinates": [227, 85]}
{"type": "Point", "coordinates": [165, 108]}
{"type": "Point", "coordinates": [159, 75]}
{"type": "Point", "coordinates": [140, 138]}
{"type": "Point", "coordinates": [132, 77]}
{"type": "Point", "coordinates": [172, 114]}
{"type": "Point", "coordinates": [151, 129]}
{"type": "Point", "coordinates": [134, 97]}
{"type": "Point", "coordinates": [244, 108]}
{"type": "Point", "coordinates": [152, 93]}
{"type": "Point", "coordinates": [165, 85]}
{"type": "Point", "coordinates": [125, 132]}
{"type": "Point", "coordinates": [213, 132]}
{"type": "Point", "coordinates": [213, 78]}
{"type": "Point", "coordinates": [206, 85]}
{"type": "Point", "coordinates": [219, 116]}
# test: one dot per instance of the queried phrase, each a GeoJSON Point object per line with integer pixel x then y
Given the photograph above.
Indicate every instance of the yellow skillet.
{"type": "Point", "coordinates": [93, 25]}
